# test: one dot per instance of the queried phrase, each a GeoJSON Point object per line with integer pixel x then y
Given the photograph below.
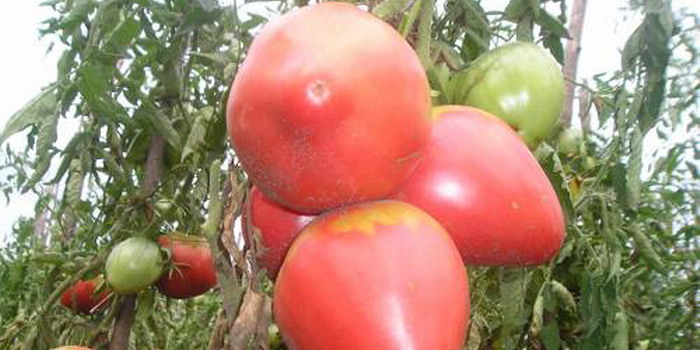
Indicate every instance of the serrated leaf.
{"type": "Point", "coordinates": [553, 43]}
{"type": "Point", "coordinates": [552, 24]}
{"type": "Point", "coordinates": [390, 8]}
{"type": "Point", "coordinates": [123, 36]}
{"type": "Point", "coordinates": [514, 10]}
{"type": "Point", "coordinates": [46, 138]}
{"type": "Point", "coordinates": [197, 138]}
{"type": "Point", "coordinates": [513, 285]}
{"type": "Point", "coordinates": [634, 171]}
{"type": "Point", "coordinates": [41, 107]}
{"type": "Point", "coordinates": [78, 13]}
{"type": "Point", "coordinates": [632, 48]}
{"type": "Point", "coordinates": [564, 296]}
{"type": "Point", "coordinates": [645, 248]}
{"type": "Point", "coordinates": [160, 124]}
{"type": "Point", "coordinates": [425, 23]}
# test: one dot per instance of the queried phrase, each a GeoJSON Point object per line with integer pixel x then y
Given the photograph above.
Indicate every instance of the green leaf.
{"type": "Point", "coordinates": [47, 137]}
{"type": "Point", "coordinates": [645, 249]}
{"type": "Point", "coordinates": [552, 24]}
{"type": "Point", "coordinates": [513, 285]}
{"type": "Point", "coordinates": [620, 327]}
{"type": "Point", "coordinates": [197, 138]}
{"type": "Point", "coordinates": [41, 107]}
{"type": "Point", "coordinates": [161, 124]}
{"type": "Point", "coordinates": [425, 23]}
{"type": "Point", "coordinates": [515, 10]}
{"type": "Point", "coordinates": [550, 335]}
{"type": "Point", "coordinates": [390, 8]}
{"type": "Point", "coordinates": [634, 171]}
{"type": "Point", "coordinates": [632, 48]}
{"type": "Point", "coordinates": [78, 13]}
{"type": "Point", "coordinates": [123, 36]}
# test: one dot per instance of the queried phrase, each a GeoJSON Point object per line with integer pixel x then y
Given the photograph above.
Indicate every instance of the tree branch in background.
{"type": "Point", "coordinates": [573, 48]}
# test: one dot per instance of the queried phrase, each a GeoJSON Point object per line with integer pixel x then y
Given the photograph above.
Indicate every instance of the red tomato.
{"type": "Point", "coordinates": [330, 107]}
{"type": "Point", "coordinates": [276, 226]}
{"type": "Point", "coordinates": [82, 297]}
{"type": "Point", "coordinates": [480, 181]}
{"type": "Point", "coordinates": [375, 276]}
{"type": "Point", "coordinates": [193, 271]}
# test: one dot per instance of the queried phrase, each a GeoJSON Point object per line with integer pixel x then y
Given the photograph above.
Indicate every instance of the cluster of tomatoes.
{"type": "Point", "coordinates": [370, 201]}
{"type": "Point", "coordinates": [180, 266]}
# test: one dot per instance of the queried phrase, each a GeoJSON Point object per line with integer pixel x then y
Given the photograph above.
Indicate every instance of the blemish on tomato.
{"type": "Point", "coordinates": [317, 92]}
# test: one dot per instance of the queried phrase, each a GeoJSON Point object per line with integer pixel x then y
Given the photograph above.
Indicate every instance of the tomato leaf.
{"type": "Point", "coordinates": [41, 107]}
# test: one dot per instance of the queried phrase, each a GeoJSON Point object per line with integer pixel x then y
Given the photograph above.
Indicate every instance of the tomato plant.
{"type": "Point", "coordinates": [83, 296]}
{"type": "Point", "coordinates": [314, 109]}
{"type": "Point", "coordinates": [480, 181]}
{"type": "Point", "coordinates": [377, 275]}
{"type": "Point", "coordinates": [192, 272]}
{"type": "Point", "coordinates": [276, 226]}
{"type": "Point", "coordinates": [520, 83]}
{"type": "Point", "coordinates": [133, 265]}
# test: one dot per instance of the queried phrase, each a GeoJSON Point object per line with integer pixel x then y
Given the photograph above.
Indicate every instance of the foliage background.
{"type": "Point", "coordinates": [137, 71]}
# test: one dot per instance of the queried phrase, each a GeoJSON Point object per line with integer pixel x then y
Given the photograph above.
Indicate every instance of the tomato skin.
{"type": "Point", "coordinates": [379, 275]}
{"type": "Point", "coordinates": [82, 298]}
{"type": "Point", "coordinates": [303, 112]}
{"type": "Point", "coordinates": [134, 264]}
{"type": "Point", "coordinates": [193, 272]}
{"type": "Point", "coordinates": [480, 181]}
{"type": "Point", "coordinates": [520, 83]}
{"type": "Point", "coordinates": [276, 226]}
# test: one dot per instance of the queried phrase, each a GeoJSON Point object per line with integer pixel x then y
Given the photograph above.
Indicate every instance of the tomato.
{"type": "Point", "coordinates": [133, 265]}
{"type": "Point", "coordinates": [377, 275]}
{"type": "Point", "coordinates": [276, 226]}
{"type": "Point", "coordinates": [71, 347]}
{"type": "Point", "coordinates": [520, 83]}
{"type": "Point", "coordinates": [571, 142]}
{"type": "Point", "coordinates": [330, 107]}
{"type": "Point", "coordinates": [481, 182]}
{"type": "Point", "coordinates": [82, 297]}
{"type": "Point", "coordinates": [193, 270]}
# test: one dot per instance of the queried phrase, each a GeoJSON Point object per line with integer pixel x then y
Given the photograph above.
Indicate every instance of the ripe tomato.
{"type": "Point", "coordinates": [133, 265]}
{"type": "Point", "coordinates": [82, 297]}
{"type": "Point", "coordinates": [276, 226]}
{"type": "Point", "coordinates": [330, 107]}
{"type": "Point", "coordinates": [520, 83]}
{"type": "Point", "coordinates": [193, 270]}
{"type": "Point", "coordinates": [481, 182]}
{"type": "Point", "coordinates": [377, 275]}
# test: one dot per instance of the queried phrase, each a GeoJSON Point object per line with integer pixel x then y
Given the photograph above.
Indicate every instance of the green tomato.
{"type": "Point", "coordinates": [570, 142]}
{"type": "Point", "coordinates": [520, 83]}
{"type": "Point", "coordinates": [134, 264]}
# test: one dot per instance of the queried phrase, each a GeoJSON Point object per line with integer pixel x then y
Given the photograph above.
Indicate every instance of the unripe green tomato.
{"type": "Point", "coordinates": [570, 142]}
{"type": "Point", "coordinates": [520, 83]}
{"type": "Point", "coordinates": [589, 163]}
{"type": "Point", "coordinates": [134, 264]}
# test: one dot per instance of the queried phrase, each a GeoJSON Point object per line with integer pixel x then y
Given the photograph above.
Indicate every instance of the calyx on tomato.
{"type": "Point", "coordinates": [191, 271]}
{"type": "Point", "coordinates": [134, 264]}
{"type": "Point", "coordinates": [520, 83]}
